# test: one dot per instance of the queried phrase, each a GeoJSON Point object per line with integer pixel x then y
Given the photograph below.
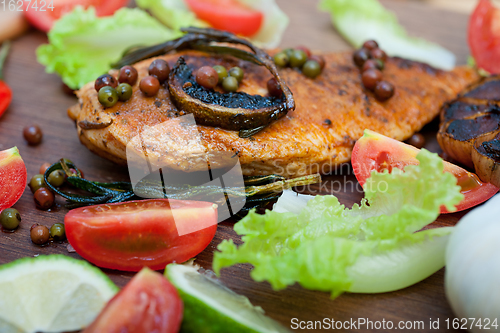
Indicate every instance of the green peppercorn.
{"type": "Point", "coordinates": [298, 58]}
{"type": "Point", "coordinates": [221, 71]}
{"type": "Point", "coordinates": [230, 84]}
{"type": "Point", "coordinates": [288, 52]}
{"type": "Point", "coordinates": [57, 232]}
{"type": "Point", "coordinates": [311, 69]}
{"type": "Point", "coordinates": [37, 182]}
{"type": "Point", "coordinates": [281, 59]}
{"type": "Point", "coordinates": [124, 91]}
{"type": "Point", "coordinates": [237, 73]}
{"type": "Point", "coordinates": [10, 218]}
{"type": "Point", "coordinates": [56, 178]}
{"type": "Point", "coordinates": [108, 96]}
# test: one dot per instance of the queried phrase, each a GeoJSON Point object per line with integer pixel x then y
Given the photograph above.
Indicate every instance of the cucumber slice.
{"type": "Point", "coordinates": [211, 307]}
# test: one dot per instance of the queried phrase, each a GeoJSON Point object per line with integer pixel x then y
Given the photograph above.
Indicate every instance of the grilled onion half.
{"type": "Point", "coordinates": [470, 129]}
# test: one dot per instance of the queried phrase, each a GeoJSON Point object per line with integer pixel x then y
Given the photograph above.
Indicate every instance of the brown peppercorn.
{"type": "Point", "coordinates": [374, 64]}
{"type": "Point", "coordinates": [378, 54]}
{"type": "Point", "coordinates": [128, 74]}
{"type": "Point", "coordinates": [105, 80]}
{"type": "Point", "coordinates": [384, 90]}
{"type": "Point", "coordinates": [369, 64]}
{"type": "Point", "coordinates": [149, 86]}
{"type": "Point", "coordinates": [274, 88]}
{"type": "Point", "coordinates": [370, 45]}
{"type": "Point", "coordinates": [33, 135]}
{"type": "Point", "coordinates": [160, 69]}
{"type": "Point", "coordinates": [371, 77]}
{"type": "Point", "coordinates": [417, 140]}
{"type": "Point", "coordinates": [360, 56]}
{"type": "Point", "coordinates": [44, 168]}
{"type": "Point", "coordinates": [44, 199]}
{"type": "Point", "coordinates": [39, 234]}
{"type": "Point", "coordinates": [207, 77]}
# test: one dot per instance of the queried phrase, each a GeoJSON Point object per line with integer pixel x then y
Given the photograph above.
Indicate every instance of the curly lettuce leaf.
{"type": "Point", "coordinates": [82, 46]}
{"type": "Point", "coordinates": [373, 247]}
{"type": "Point", "coordinates": [176, 14]}
{"type": "Point", "coordinates": [361, 20]}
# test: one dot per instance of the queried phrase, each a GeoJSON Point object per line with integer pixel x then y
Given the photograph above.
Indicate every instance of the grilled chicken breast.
{"type": "Point", "coordinates": [331, 113]}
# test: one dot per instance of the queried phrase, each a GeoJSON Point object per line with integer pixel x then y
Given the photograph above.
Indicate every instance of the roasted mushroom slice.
{"type": "Point", "coordinates": [233, 111]}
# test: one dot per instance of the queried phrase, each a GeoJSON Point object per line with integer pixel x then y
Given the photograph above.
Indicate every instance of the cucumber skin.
{"type": "Point", "coordinates": [199, 318]}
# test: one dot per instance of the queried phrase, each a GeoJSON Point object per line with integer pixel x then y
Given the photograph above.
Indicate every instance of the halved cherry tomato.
{"type": "Point", "coordinates": [13, 177]}
{"type": "Point", "coordinates": [147, 233]}
{"type": "Point", "coordinates": [45, 18]}
{"type": "Point", "coordinates": [377, 152]}
{"type": "Point", "coordinates": [148, 303]}
{"type": "Point", "coordinates": [484, 36]}
{"type": "Point", "coordinates": [228, 15]}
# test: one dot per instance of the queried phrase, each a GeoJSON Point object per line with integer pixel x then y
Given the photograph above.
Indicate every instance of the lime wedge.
{"type": "Point", "coordinates": [51, 293]}
{"type": "Point", "coordinates": [211, 307]}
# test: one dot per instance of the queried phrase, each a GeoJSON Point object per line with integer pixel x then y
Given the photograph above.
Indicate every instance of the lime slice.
{"type": "Point", "coordinates": [211, 307]}
{"type": "Point", "coordinates": [51, 293]}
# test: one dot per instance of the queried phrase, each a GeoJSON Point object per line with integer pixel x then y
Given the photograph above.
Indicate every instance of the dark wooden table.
{"type": "Point", "coordinates": [38, 99]}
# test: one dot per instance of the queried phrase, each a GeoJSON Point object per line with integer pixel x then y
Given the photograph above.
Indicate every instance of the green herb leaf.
{"type": "Point", "coordinates": [324, 246]}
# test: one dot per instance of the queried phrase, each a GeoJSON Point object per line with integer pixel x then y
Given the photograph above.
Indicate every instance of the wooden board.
{"type": "Point", "coordinates": [38, 99]}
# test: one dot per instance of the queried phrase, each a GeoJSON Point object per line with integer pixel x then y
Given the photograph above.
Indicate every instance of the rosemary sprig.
{"type": "Point", "coordinates": [259, 190]}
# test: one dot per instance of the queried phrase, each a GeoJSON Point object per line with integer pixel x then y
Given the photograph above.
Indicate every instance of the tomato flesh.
{"type": "Point", "coordinates": [376, 152]}
{"type": "Point", "coordinates": [5, 97]}
{"type": "Point", "coordinates": [147, 233]}
{"type": "Point", "coordinates": [148, 303]}
{"type": "Point", "coordinates": [228, 15]}
{"type": "Point", "coordinates": [44, 20]}
{"type": "Point", "coordinates": [484, 36]}
{"type": "Point", "coordinates": [13, 177]}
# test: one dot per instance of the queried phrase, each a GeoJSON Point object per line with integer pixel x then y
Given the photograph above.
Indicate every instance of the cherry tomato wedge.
{"type": "Point", "coordinates": [147, 233]}
{"type": "Point", "coordinates": [44, 18]}
{"type": "Point", "coordinates": [148, 303]}
{"type": "Point", "coordinates": [377, 152]}
{"type": "Point", "coordinates": [13, 177]}
{"type": "Point", "coordinates": [484, 36]}
{"type": "Point", "coordinates": [228, 15]}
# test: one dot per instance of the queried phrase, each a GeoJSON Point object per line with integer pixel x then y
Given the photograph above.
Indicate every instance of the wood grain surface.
{"type": "Point", "coordinates": [38, 99]}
